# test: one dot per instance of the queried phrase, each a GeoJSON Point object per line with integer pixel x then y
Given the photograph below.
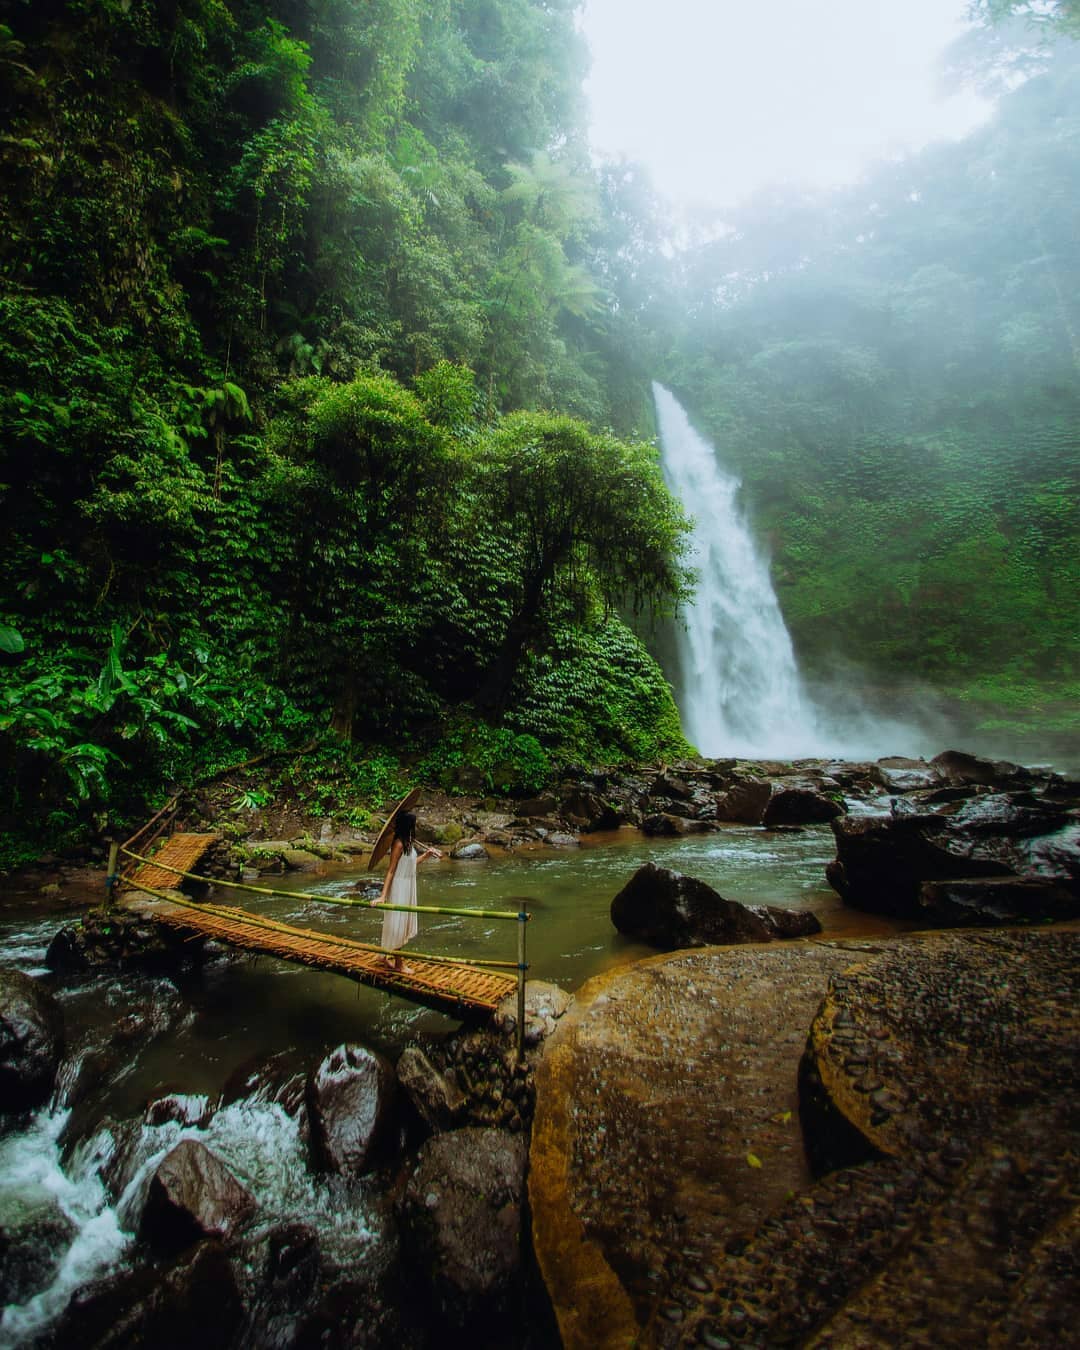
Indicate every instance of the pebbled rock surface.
{"type": "Point", "coordinates": [671, 1195]}
{"type": "Point", "coordinates": [669, 909]}
{"type": "Point", "coordinates": [31, 1041]}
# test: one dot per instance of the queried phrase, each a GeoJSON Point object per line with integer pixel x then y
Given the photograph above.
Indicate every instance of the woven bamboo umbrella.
{"type": "Point", "coordinates": [386, 834]}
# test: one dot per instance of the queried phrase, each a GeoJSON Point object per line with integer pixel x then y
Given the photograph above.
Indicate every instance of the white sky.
{"type": "Point", "coordinates": [721, 97]}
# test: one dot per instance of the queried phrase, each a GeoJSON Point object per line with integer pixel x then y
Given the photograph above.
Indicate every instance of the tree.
{"type": "Point", "coordinates": [586, 518]}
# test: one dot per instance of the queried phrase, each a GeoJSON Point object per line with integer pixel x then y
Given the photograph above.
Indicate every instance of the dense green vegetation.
{"type": "Point", "coordinates": [324, 368]}
{"type": "Point", "coordinates": [895, 372]}
{"type": "Point", "coordinates": [270, 274]}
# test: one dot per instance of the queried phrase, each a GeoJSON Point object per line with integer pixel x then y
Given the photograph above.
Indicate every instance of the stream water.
{"type": "Point", "coordinates": [191, 1040]}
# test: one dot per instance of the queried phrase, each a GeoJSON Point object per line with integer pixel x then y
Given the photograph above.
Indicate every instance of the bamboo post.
{"type": "Point", "coordinates": [523, 919]}
{"type": "Point", "coordinates": [111, 877]}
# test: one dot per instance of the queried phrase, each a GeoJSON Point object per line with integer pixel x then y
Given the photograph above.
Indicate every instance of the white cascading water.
{"type": "Point", "coordinates": [740, 689]}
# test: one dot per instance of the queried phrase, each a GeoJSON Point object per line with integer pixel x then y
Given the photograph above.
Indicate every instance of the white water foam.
{"type": "Point", "coordinates": [256, 1138]}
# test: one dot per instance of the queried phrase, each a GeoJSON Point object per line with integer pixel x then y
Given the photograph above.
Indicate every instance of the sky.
{"type": "Point", "coordinates": [719, 98]}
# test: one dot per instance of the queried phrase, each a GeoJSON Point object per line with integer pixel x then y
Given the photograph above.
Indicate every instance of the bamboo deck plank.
{"type": "Point", "coordinates": [182, 851]}
{"type": "Point", "coordinates": [460, 990]}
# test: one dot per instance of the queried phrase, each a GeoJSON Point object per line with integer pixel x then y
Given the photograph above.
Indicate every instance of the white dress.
{"type": "Point", "coordinates": [397, 926]}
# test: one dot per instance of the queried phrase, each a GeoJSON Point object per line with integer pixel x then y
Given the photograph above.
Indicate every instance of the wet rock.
{"type": "Point", "coordinates": [589, 810]}
{"type": "Point", "coordinates": [666, 824]}
{"type": "Point", "coordinates": [994, 900]}
{"type": "Point", "coordinates": [281, 1079]}
{"type": "Point", "coordinates": [899, 774]}
{"type": "Point", "coordinates": [545, 1004]}
{"type": "Point", "coordinates": [182, 1108]}
{"type": "Point", "coordinates": [299, 859]}
{"type": "Point", "coordinates": [1015, 815]}
{"type": "Point", "coordinates": [293, 1251]}
{"type": "Point", "coordinates": [745, 801]}
{"type": "Point", "coordinates": [351, 1099]}
{"type": "Point", "coordinates": [193, 1195]}
{"type": "Point", "coordinates": [34, 1234]}
{"type": "Point", "coordinates": [461, 1216]}
{"type": "Point", "coordinates": [120, 940]}
{"type": "Point", "coordinates": [544, 805]}
{"type": "Point", "coordinates": [439, 1102]}
{"type": "Point", "coordinates": [959, 768]}
{"type": "Point", "coordinates": [882, 862]}
{"type": "Point", "coordinates": [193, 1302]}
{"type": "Point", "coordinates": [558, 840]}
{"type": "Point", "coordinates": [800, 806]}
{"type": "Point", "coordinates": [787, 923]}
{"type": "Point", "coordinates": [670, 910]}
{"type": "Point", "coordinates": [473, 851]}
{"type": "Point", "coordinates": [31, 1041]}
{"type": "Point", "coordinates": [667, 784]}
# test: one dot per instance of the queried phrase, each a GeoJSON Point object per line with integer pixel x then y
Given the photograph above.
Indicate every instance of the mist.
{"type": "Point", "coordinates": [891, 371]}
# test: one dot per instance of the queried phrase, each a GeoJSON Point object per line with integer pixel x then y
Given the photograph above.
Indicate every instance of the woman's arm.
{"type": "Point", "coordinates": [428, 853]}
{"type": "Point", "coordinates": [395, 854]}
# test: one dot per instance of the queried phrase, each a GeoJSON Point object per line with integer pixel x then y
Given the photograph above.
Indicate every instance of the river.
{"type": "Point", "coordinates": [192, 1038]}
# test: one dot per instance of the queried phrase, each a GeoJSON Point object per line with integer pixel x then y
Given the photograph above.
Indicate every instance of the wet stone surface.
{"type": "Point", "coordinates": [938, 1082]}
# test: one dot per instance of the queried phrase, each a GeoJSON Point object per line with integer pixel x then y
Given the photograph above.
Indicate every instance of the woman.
{"type": "Point", "coordinates": [399, 887]}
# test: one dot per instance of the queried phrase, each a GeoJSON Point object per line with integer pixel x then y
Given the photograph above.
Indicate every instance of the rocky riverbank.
{"type": "Point", "coordinates": [682, 1159]}
{"type": "Point", "coordinates": [351, 1202]}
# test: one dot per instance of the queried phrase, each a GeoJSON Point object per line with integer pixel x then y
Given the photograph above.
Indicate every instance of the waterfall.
{"type": "Point", "coordinates": [739, 690]}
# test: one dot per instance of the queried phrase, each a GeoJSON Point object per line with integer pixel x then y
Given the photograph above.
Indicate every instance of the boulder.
{"type": "Point", "coordinates": [194, 1302]}
{"type": "Point", "coordinates": [351, 1098]}
{"type": "Point", "coordinates": [899, 774]}
{"type": "Point", "coordinates": [545, 1004]}
{"type": "Point", "coordinates": [299, 859]}
{"type": "Point", "coordinates": [473, 851]}
{"type": "Point", "coordinates": [882, 863]}
{"type": "Point", "coordinates": [800, 806]}
{"type": "Point", "coordinates": [193, 1195]}
{"type": "Point", "coordinates": [993, 900]}
{"type": "Point", "coordinates": [31, 1041]}
{"type": "Point", "coordinates": [557, 840]}
{"type": "Point", "coordinates": [439, 1101]}
{"type": "Point", "coordinates": [958, 768]}
{"type": "Point", "coordinates": [745, 801]}
{"type": "Point", "coordinates": [670, 910]}
{"type": "Point", "coordinates": [35, 1235]}
{"type": "Point", "coordinates": [668, 784]}
{"type": "Point", "coordinates": [462, 1213]}
{"type": "Point", "coordinates": [588, 809]}
{"type": "Point", "coordinates": [664, 824]}
{"type": "Point", "coordinates": [544, 805]}
{"type": "Point", "coordinates": [189, 1109]}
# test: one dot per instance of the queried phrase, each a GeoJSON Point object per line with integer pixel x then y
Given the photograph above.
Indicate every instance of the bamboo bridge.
{"type": "Point", "coordinates": [463, 989]}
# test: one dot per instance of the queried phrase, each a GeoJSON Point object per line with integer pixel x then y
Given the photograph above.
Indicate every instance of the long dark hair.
{"type": "Point", "coordinates": [405, 829]}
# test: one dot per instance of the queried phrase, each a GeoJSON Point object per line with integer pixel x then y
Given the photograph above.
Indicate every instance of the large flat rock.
{"type": "Point", "coordinates": [673, 1200]}
{"type": "Point", "coordinates": [657, 1090]}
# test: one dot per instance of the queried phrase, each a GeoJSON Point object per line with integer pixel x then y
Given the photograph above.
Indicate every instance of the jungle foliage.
{"type": "Point", "coordinates": [324, 366]}
{"type": "Point", "coordinates": [270, 275]}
